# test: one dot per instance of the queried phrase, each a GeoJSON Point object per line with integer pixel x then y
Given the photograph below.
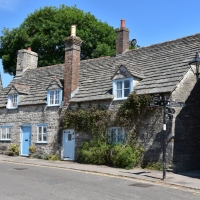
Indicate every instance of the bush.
{"type": "Point", "coordinates": [123, 156]}
{"type": "Point", "coordinates": [32, 148]}
{"type": "Point", "coordinates": [13, 150]}
{"type": "Point", "coordinates": [51, 157]}
{"type": "Point", "coordinates": [118, 155]}
{"type": "Point", "coordinates": [90, 153]}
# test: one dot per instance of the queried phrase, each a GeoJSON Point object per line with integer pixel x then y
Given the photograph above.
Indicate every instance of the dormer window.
{"type": "Point", "coordinates": [54, 97]}
{"type": "Point", "coordinates": [122, 88]}
{"type": "Point", "coordinates": [54, 93]}
{"type": "Point", "coordinates": [12, 101]}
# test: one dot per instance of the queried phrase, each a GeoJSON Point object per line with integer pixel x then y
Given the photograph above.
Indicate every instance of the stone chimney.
{"type": "Point", "coordinates": [26, 59]}
{"type": "Point", "coordinates": [72, 65]}
{"type": "Point", "coordinates": [122, 38]}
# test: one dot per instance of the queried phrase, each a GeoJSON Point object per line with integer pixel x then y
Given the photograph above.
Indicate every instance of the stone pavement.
{"type": "Point", "coordinates": [186, 180]}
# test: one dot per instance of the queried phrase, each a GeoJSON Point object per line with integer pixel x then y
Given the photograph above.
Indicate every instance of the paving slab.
{"type": "Point", "coordinates": [186, 180]}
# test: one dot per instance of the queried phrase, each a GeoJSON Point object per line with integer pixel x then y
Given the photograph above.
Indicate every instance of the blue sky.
{"type": "Point", "coordinates": [149, 21]}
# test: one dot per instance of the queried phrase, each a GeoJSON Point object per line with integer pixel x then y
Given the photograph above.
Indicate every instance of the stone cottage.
{"type": "Point", "coordinates": [31, 105]}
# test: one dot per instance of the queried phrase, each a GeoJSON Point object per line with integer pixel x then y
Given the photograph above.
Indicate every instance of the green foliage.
{"type": "Point", "coordinates": [123, 156]}
{"type": "Point", "coordinates": [13, 150]}
{"type": "Point", "coordinates": [133, 109]}
{"type": "Point", "coordinates": [101, 153]}
{"type": "Point", "coordinates": [153, 166]}
{"type": "Point", "coordinates": [38, 156]}
{"type": "Point", "coordinates": [45, 30]}
{"type": "Point", "coordinates": [32, 148]}
{"type": "Point", "coordinates": [96, 121]}
{"type": "Point", "coordinates": [51, 157]}
{"type": "Point", "coordinates": [91, 120]}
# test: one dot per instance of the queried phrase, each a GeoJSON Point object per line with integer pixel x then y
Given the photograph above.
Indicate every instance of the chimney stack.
{"type": "Point", "coordinates": [122, 38]}
{"type": "Point", "coordinates": [72, 65]}
{"type": "Point", "coordinates": [26, 59]}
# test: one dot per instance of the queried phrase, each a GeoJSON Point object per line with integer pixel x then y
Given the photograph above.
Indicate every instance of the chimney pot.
{"type": "Point", "coordinates": [122, 23]}
{"type": "Point", "coordinates": [73, 30]}
{"type": "Point", "coordinates": [29, 48]}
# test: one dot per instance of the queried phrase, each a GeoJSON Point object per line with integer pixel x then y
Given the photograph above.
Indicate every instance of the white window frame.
{"type": "Point", "coordinates": [12, 101]}
{"type": "Point", "coordinates": [54, 97]}
{"type": "Point", "coordinates": [118, 140]}
{"type": "Point", "coordinates": [123, 88]}
{"type": "Point", "coordinates": [42, 127]}
{"type": "Point", "coordinates": [8, 131]}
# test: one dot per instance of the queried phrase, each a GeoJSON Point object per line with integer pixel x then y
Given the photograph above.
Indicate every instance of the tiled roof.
{"type": "Point", "coordinates": [161, 67]}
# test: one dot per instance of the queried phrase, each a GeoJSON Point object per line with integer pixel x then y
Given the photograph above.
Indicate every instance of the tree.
{"type": "Point", "coordinates": [45, 31]}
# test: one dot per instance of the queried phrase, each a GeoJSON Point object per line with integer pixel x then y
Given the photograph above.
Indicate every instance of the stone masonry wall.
{"type": "Point", "coordinates": [33, 115]}
{"type": "Point", "coordinates": [186, 126]}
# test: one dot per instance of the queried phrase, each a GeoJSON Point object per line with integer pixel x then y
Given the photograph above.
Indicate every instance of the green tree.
{"type": "Point", "coordinates": [45, 31]}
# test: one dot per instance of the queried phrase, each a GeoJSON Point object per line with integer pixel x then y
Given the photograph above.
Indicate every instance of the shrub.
{"type": "Point", "coordinates": [51, 157]}
{"type": "Point", "coordinates": [99, 152]}
{"type": "Point", "coordinates": [91, 153]}
{"type": "Point", "coordinates": [32, 148]}
{"type": "Point", "coordinates": [13, 150]}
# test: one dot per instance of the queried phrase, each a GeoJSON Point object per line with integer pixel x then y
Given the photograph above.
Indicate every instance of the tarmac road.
{"type": "Point", "coordinates": [26, 182]}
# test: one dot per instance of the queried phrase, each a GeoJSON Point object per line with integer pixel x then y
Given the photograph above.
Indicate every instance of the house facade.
{"type": "Point", "coordinates": [31, 106]}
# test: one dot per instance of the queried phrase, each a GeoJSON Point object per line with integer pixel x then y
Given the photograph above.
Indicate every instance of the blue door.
{"type": "Point", "coordinates": [68, 144]}
{"type": "Point", "coordinates": [25, 140]}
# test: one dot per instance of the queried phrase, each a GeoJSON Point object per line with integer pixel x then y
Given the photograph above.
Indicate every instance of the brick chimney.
{"type": "Point", "coordinates": [122, 38]}
{"type": "Point", "coordinates": [26, 59]}
{"type": "Point", "coordinates": [72, 65]}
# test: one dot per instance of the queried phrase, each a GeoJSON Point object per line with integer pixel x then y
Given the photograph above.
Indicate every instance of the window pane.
{"type": "Point", "coordinates": [57, 97]}
{"type": "Point", "coordinates": [112, 138]}
{"type": "Point", "coordinates": [127, 84]}
{"type": "Point", "coordinates": [69, 137]}
{"type": "Point", "coordinates": [119, 93]}
{"type": "Point", "coordinates": [51, 97]}
{"type": "Point", "coordinates": [44, 137]}
{"type": "Point", "coordinates": [3, 133]}
{"type": "Point", "coordinates": [120, 135]}
{"type": "Point", "coordinates": [126, 92]}
{"type": "Point", "coordinates": [119, 85]}
{"type": "Point", "coordinates": [44, 129]}
{"type": "Point", "coordinates": [39, 137]}
{"type": "Point", "coordinates": [40, 129]}
{"type": "Point", "coordinates": [8, 133]}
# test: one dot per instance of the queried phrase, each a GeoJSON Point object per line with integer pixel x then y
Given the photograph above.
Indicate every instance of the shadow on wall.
{"type": "Point", "coordinates": [187, 134]}
{"type": "Point", "coordinates": [153, 141]}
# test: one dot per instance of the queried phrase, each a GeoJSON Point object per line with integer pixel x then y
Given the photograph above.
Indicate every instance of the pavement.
{"type": "Point", "coordinates": [186, 180]}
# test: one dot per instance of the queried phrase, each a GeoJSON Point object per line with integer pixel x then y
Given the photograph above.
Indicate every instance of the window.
{"type": "Point", "coordinates": [5, 133]}
{"type": "Point", "coordinates": [54, 97]}
{"type": "Point", "coordinates": [42, 133]}
{"type": "Point", "coordinates": [122, 88]}
{"type": "Point", "coordinates": [12, 101]}
{"type": "Point", "coordinates": [116, 135]}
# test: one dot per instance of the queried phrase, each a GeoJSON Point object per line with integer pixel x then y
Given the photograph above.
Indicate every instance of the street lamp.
{"type": "Point", "coordinates": [195, 65]}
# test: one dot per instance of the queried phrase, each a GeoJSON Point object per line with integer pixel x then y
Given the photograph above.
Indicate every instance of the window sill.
{"type": "Point", "coordinates": [53, 105]}
{"type": "Point", "coordinates": [11, 108]}
{"type": "Point", "coordinates": [6, 140]}
{"type": "Point", "coordinates": [41, 143]}
{"type": "Point", "coordinates": [123, 98]}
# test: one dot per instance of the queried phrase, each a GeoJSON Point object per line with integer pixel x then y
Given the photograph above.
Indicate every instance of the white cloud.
{"type": "Point", "coordinates": [8, 4]}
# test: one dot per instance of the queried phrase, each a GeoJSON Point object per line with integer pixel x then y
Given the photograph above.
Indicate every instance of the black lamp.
{"type": "Point", "coordinates": [195, 65]}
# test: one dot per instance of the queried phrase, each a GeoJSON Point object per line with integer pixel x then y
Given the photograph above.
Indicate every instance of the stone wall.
{"type": "Point", "coordinates": [186, 130]}
{"type": "Point", "coordinates": [33, 115]}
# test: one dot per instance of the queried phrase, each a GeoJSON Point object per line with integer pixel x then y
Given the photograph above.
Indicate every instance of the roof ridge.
{"type": "Point", "coordinates": [91, 59]}
{"type": "Point", "coordinates": [161, 43]}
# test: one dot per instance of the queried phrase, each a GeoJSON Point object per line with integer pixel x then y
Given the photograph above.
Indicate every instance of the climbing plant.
{"type": "Point", "coordinates": [96, 121]}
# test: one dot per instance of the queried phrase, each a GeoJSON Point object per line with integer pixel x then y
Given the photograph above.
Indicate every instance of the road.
{"type": "Point", "coordinates": [26, 182]}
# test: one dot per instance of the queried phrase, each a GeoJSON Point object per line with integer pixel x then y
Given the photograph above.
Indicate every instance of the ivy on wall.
{"type": "Point", "coordinates": [96, 121]}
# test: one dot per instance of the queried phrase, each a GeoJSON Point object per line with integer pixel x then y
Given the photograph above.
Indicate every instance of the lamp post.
{"type": "Point", "coordinates": [195, 66]}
